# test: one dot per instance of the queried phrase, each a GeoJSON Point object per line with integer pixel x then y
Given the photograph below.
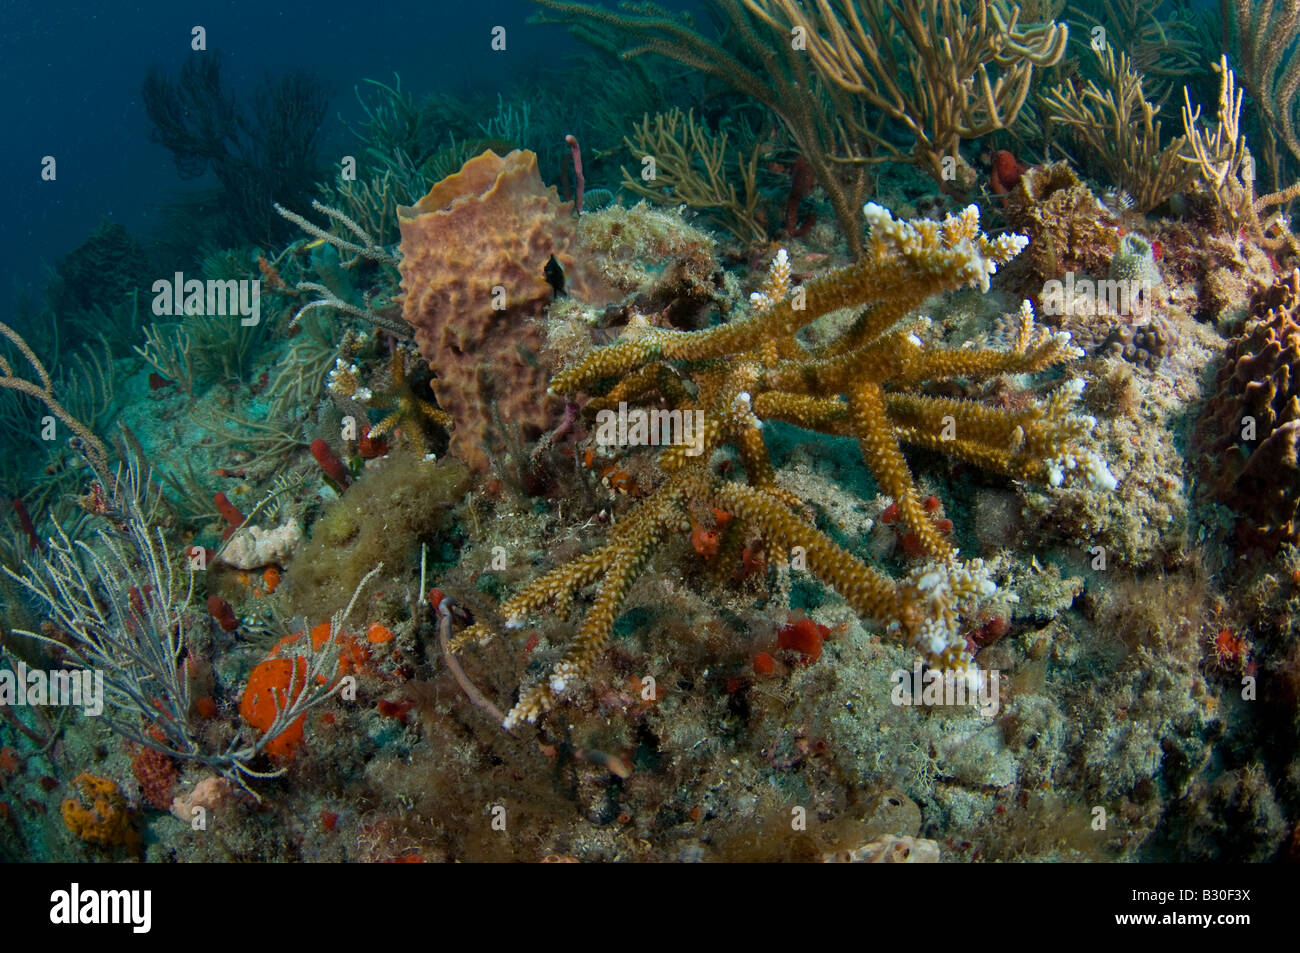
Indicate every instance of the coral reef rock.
{"type": "Point", "coordinates": [1068, 228]}
{"type": "Point", "coordinates": [1146, 345]}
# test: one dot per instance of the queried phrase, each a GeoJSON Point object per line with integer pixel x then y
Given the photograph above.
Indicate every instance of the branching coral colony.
{"type": "Point", "coordinates": [866, 383]}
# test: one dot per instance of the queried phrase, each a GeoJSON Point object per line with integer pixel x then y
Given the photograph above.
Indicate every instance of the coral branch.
{"type": "Point", "coordinates": [865, 385]}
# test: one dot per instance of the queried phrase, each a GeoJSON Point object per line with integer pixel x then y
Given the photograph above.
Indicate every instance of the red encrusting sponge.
{"type": "Point", "coordinates": [803, 636]}
{"type": "Point", "coordinates": [220, 610]}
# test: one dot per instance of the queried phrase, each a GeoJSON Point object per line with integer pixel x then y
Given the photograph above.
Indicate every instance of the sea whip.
{"type": "Point", "coordinates": [25, 519]}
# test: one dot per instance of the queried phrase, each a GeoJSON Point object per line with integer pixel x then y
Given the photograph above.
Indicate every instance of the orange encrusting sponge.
{"type": "Point", "coordinates": [270, 684]}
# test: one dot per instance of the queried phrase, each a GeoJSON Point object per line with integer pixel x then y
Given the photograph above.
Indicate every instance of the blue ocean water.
{"type": "Point", "coordinates": [72, 90]}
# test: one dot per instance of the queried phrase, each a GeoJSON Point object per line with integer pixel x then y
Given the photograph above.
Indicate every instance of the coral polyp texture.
{"type": "Point", "coordinates": [867, 382]}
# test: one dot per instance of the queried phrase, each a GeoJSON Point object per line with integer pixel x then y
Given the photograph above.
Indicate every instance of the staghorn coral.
{"type": "Point", "coordinates": [865, 383]}
{"type": "Point", "coordinates": [475, 254]}
{"type": "Point", "coordinates": [403, 404]}
{"type": "Point", "coordinates": [1249, 429]}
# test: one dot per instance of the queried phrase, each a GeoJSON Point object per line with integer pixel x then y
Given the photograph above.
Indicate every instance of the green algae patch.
{"type": "Point", "coordinates": [383, 517]}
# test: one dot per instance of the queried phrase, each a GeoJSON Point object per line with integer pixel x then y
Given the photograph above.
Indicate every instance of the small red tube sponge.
{"type": "Point", "coordinates": [330, 463]}
{"type": "Point", "coordinates": [1007, 170]}
{"type": "Point", "coordinates": [370, 449]}
{"type": "Point", "coordinates": [229, 511]}
{"type": "Point", "coordinates": [220, 610]}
